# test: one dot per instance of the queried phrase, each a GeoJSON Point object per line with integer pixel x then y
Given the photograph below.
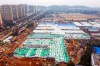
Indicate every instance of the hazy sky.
{"type": "Point", "coordinates": [90, 3]}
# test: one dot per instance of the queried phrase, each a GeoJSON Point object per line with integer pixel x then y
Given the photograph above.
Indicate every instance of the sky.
{"type": "Point", "coordinates": [89, 3]}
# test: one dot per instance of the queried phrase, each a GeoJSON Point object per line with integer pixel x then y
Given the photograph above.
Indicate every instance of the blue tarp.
{"type": "Point", "coordinates": [97, 50]}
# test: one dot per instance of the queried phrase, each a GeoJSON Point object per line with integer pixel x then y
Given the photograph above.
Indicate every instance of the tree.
{"type": "Point", "coordinates": [86, 58]}
{"type": "Point", "coordinates": [8, 23]}
{"type": "Point", "coordinates": [30, 25]}
{"type": "Point", "coordinates": [70, 64]}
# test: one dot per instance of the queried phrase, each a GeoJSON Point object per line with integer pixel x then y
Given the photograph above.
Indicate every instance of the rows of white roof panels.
{"type": "Point", "coordinates": [45, 27]}
{"type": "Point", "coordinates": [59, 32]}
{"type": "Point", "coordinates": [55, 29]}
{"type": "Point", "coordinates": [53, 26]}
{"type": "Point", "coordinates": [68, 28]}
{"type": "Point", "coordinates": [76, 36]}
{"type": "Point", "coordinates": [95, 24]}
{"type": "Point", "coordinates": [69, 31]}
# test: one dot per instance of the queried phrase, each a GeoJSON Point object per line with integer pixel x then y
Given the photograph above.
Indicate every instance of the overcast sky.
{"type": "Point", "coordinates": [90, 3]}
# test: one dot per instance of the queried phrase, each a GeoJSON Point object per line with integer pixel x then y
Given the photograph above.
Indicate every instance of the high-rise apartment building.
{"type": "Point", "coordinates": [13, 12]}
{"type": "Point", "coordinates": [1, 22]}
{"type": "Point", "coordinates": [25, 9]}
{"type": "Point", "coordinates": [32, 9]}
{"type": "Point", "coordinates": [35, 9]}
{"type": "Point", "coordinates": [6, 12]}
{"type": "Point", "coordinates": [22, 10]}
{"type": "Point", "coordinates": [14, 9]}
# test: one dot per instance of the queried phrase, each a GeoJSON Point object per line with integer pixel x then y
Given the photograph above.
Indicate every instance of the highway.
{"type": "Point", "coordinates": [21, 23]}
{"type": "Point", "coordinates": [40, 14]}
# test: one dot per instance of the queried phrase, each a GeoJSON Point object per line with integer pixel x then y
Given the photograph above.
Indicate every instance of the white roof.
{"type": "Point", "coordinates": [67, 31]}
{"type": "Point", "coordinates": [68, 27]}
{"type": "Point", "coordinates": [57, 32]}
{"type": "Point", "coordinates": [82, 23]}
{"type": "Point", "coordinates": [43, 31]}
{"type": "Point", "coordinates": [72, 31]}
{"type": "Point", "coordinates": [8, 39]}
{"type": "Point", "coordinates": [77, 23]}
{"type": "Point", "coordinates": [96, 24]}
{"type": "Point", "coordinates": [76, 36]}
{"type": "Point", "coordinates": [46, 27]}
{"type": "Point", "coordinates": [86, 24]}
